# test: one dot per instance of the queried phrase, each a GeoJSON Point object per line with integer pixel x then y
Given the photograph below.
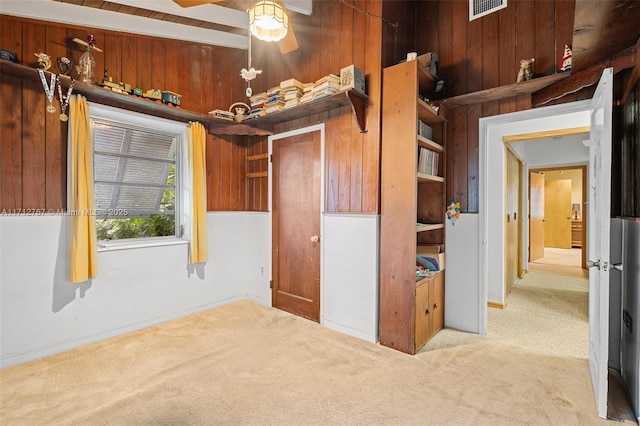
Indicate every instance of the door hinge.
{"type": "Point", "coordinates": [270, 283]}
{"type": "Point", "coordinates": [271, 158]}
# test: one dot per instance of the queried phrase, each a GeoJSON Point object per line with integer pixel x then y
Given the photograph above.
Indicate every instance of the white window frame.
{"type": "Point", "coordinates": [99, 112]}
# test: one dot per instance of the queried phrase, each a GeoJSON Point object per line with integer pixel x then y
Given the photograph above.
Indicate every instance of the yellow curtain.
{"type": "Point", "coordinates": [196, 142]}
{"type": "Point", "coordinates": [81, 221]}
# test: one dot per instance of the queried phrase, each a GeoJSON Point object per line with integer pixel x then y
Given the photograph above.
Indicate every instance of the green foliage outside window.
{"type": "Point", "coordinates": [153, 225]}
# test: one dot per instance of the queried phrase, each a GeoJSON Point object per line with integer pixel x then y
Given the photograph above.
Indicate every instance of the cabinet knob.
{"type": "Point", "coordinates": [315, 239]}
{"type": "Point", "coordinates": [426, 312]}
{"type": "Point", "coordinates": [435, 306]}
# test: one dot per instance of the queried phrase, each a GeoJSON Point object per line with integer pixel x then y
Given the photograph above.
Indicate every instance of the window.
{"type": "Point", "coordinates": [137, 176]}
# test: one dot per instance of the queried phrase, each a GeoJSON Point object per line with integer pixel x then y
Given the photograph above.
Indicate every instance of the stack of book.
{"type": "Point", "coordinates": [428, 162]}
{"type": "Point", "coordinates": [258, 100]}
{"type": "Point", "coordinates": [307, 93]}
{"type": "Point", "coordinates": [275, 100]}
{"type": "Point", "coordinates": [292, 91]}
{"type": "Point", "coordinates": [326, 86]}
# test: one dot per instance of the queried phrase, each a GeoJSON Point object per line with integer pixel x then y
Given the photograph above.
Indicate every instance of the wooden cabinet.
{"type": "Point", "coordinates": [413, 207]}
{"type": "Point", "coordinates": [576, 233]}
{"type": "Point", "coordinates": [429, 308]}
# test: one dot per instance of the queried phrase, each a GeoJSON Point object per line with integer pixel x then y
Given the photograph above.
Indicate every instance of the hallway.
{"type": "Point", "coordinates": [547, 309]}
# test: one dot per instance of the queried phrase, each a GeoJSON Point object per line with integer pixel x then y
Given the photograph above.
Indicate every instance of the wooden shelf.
{"type": "Point", "coordinates": [429, 144]}
{"type": "Point", "coordinates": [356, 100]}
{"type": "Point", "coordinates": [260, 126]}
{"type": "Point", "coordinates": [503, 92]}
{"type": "Point", "coordinates": [423, 227]}
{"type": "Point", "coordinates": [422, 177]}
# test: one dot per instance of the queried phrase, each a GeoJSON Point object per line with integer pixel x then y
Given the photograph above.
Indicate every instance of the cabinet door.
{"type": "Point", "coordinates": [437, 305]}
{"type": "Point", "coordinates": [424, 296]}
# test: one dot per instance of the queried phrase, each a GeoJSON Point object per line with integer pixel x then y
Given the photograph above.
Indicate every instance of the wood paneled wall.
{"type": "Point", "coordinates": [625, 162]}
{"type": "Point", "coordinates": [336, 35]}
{"type": "Point", "coordinates": [482, 54]}
{"type": "Point", "coordinates": [33, 142]}
{"type": "Point", "coordinates": [339, 33]}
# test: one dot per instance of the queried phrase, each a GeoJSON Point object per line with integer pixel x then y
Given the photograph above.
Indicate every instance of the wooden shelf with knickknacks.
{"type": "Point", "coordinates": [53, 82]}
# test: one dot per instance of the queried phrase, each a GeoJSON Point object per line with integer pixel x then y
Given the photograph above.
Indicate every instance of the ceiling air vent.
{"type": "Point", "coordinates": [478, 8]}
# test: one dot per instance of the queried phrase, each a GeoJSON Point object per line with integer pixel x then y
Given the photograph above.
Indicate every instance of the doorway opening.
{"type": "Point", "coordinates": [546, 308]}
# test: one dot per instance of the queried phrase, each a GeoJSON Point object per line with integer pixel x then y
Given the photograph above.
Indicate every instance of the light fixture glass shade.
{"type": "Point", "coordinates": [268, 21]}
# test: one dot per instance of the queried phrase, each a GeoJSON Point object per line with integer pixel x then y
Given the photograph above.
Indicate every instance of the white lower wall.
{"type": "Point", "coordinates": [464, 304]}
{"type": "Point", "coordinates": [349, 277]}
{"type": "Point", "coordinates": [42, 313]}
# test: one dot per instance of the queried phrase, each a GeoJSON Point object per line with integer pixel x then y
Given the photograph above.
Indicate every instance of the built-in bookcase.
{"type": "Point", "coordinates": [413, 207]}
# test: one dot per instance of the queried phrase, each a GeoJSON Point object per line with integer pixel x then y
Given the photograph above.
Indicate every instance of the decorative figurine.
{"type": "Point", "coordinates": [565, 62]}
{"type": "Point", "coordinates": [44, 62]}
{"type": "Point", "coordinates": [64, 65]}
{"type": "Point", "coordinates": [87, 63]}
{"type": "Point", "coordinates": [526, 70]}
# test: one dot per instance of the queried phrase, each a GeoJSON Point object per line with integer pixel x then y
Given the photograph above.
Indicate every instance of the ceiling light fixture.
{"type": "Point", "coordinates": [268, 21]}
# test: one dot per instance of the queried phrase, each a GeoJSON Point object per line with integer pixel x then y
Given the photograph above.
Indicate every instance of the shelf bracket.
{"type": "Point", "coordinates": [358, 106]}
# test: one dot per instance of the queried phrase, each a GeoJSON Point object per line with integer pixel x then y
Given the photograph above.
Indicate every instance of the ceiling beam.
{"type": "Point", "coordinates": [585, 78]}
{"type": "Point", "coordinates": [89, 17]}
{"type": "Point", "coordinates": [635, 75]}
{"type": "Point", "coordinates": [206, 12]}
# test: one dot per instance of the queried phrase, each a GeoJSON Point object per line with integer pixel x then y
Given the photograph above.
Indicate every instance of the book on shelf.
{"type": "Point", "coordinates": [425, 130]}
{"type": "Point", "coordinates": [225, 115]}
{"type": "Point", "coordinates": [291, 82]}
{"type": "Point", "coordinates": [428, 161]}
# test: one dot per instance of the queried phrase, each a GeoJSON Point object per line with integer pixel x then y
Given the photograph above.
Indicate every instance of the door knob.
{"type": "Point", "coordinates": [617, 266]}
{"type": "Point", "coordinates": [592, 264]}
{"type": "Point", "coordinates": [601, 265]}
{"type": "Point", "coordinates": [315, 239]}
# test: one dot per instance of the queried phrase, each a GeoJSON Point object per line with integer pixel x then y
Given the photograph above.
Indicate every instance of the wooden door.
{"type": "Point", "coordinates": [512, 228]}
{"type": "Point", "coordinates": [296, 225]}
{"type": "Point", "coordinates": [599, 196]}
{"type": "Point", "coordinates": [424, 313]}
{"type": "Point", "coordinates": [536, 216]}
{"type": "Point", "coordinates": [438, 303]}
{"type": "Point", "coordinates": [557, 213]}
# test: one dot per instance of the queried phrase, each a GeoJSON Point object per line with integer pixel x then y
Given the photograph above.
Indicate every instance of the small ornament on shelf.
{"type": "Point", "coordinates": [453, 212]}
{"type": "Point", "coordinates": [44, 61]}
{"type": "Point", "coordinates": [87, 63]}
{"type": "Point", "coordinates": [49, 89]}
{"type": "Point", "coordinates": [526, 70]}
{"type": "Point", "coordinates": [64, 65]}
{"type": "Point", "coordinates": [64, 100]}
{"type": "Point", "coordinates": [565, 62]}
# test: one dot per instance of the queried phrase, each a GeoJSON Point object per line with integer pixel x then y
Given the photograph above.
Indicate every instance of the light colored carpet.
{"type": "Point", "coordinates": [547, 311]}
{"type": "Point", "coordinates": [246, 364]}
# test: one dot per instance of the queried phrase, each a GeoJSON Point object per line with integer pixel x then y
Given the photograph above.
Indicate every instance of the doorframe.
{"type": "Point", "coordinates": [492, 164]}
{"type": "Point", "coordinates": [583, 212]}
{"type": "Point", "coordinates": [271, 140]}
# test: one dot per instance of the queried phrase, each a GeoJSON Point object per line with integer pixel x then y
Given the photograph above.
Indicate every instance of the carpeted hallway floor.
{"type": "Point", "coordinates": [548, 309]}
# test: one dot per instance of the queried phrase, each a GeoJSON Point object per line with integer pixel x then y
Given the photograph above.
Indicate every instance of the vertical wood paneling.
{"type": "Point", "coordinates": [371, 142]}
{"type": "Point", "coordinates": [33, 150]}
{"type": "Point", "coordinates": [11, 122]}
{"type": "Point", "coordinates": [544, 33]}
{"type": "Point", "coordinates": [508, 64]}
{"type": "Point", "coordinates": [129, 70]}
{"type": "Point", "coordinates": [33, 141]}
{"type": "Point", "coordinates": [56, 134]}
{"type": "Point", "coordinates": [144, 77]}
